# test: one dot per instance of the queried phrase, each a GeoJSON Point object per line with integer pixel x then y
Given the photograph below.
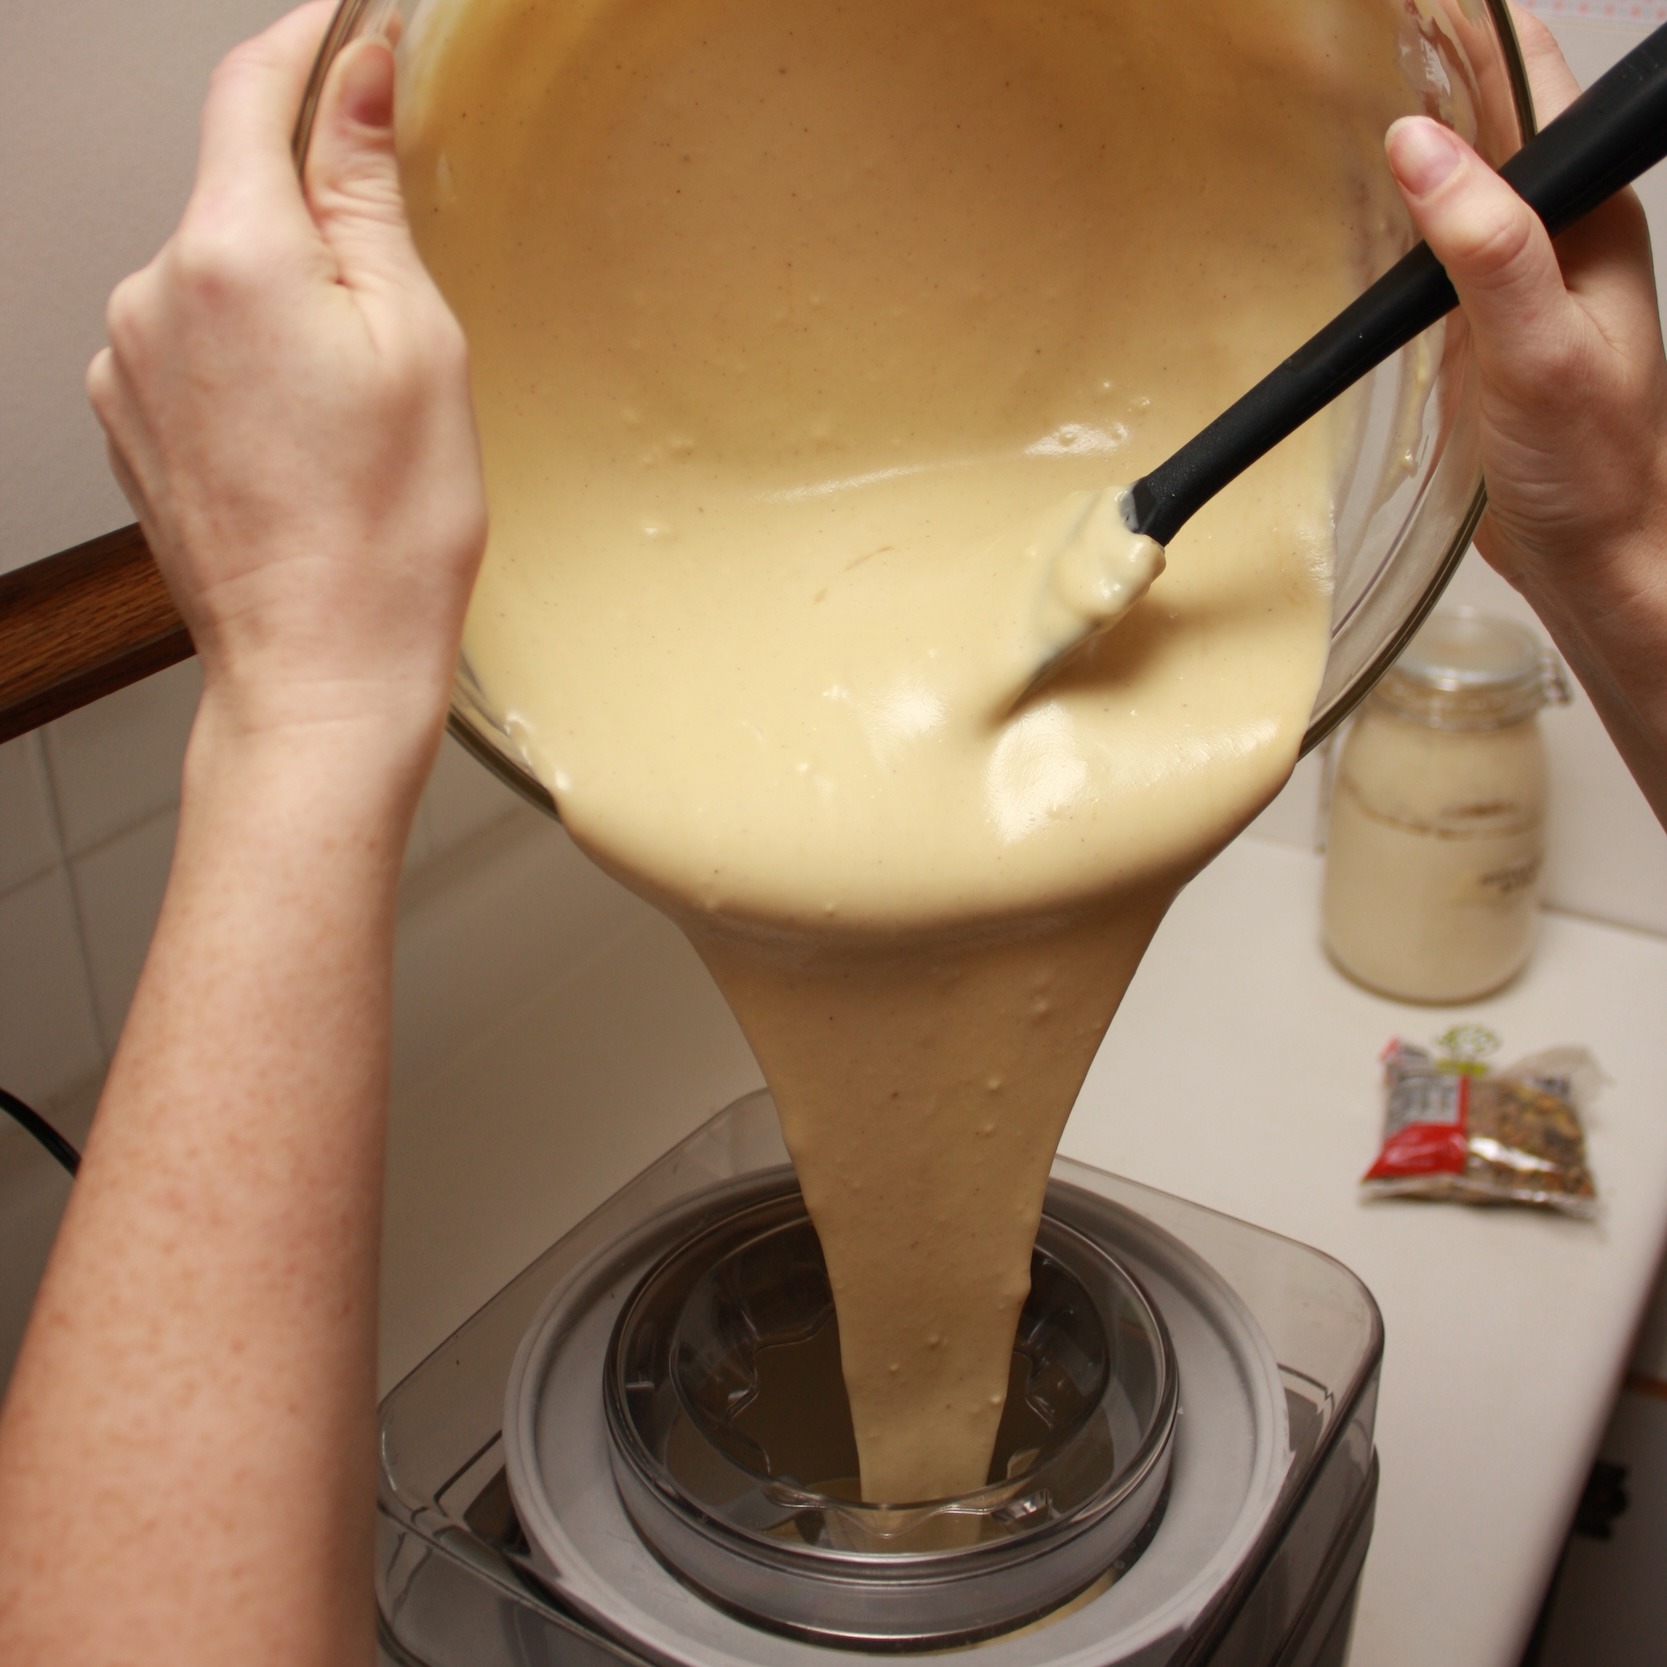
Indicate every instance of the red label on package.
{"type": "Point", "coordinates": [1426, 1127]}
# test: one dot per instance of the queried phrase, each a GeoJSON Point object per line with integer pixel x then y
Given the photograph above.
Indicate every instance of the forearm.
{"type": "Point", "coordinates": [198, 1380]}
{"type": "Point", "coordinates": [1606, 611]}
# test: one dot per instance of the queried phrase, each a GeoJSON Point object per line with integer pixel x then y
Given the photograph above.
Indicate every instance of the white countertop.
{"type": "Point", "coordinates": [1242, 1073]}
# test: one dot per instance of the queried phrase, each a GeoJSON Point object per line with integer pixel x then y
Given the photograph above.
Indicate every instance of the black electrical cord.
{"type": "Point", "coordinates": [41, 1130]}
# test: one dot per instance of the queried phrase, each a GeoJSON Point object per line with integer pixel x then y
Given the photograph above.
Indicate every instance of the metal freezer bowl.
{"type": "Point", "coordinates": [460, 1586]}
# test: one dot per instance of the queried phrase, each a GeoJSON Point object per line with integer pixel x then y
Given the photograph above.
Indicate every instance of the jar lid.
{"type": "Point", "coordinates": [1470, 670]}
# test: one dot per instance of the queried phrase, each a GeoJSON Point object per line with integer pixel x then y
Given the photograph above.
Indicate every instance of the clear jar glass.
{"type": "Point", "coordinates": [1436, 849]}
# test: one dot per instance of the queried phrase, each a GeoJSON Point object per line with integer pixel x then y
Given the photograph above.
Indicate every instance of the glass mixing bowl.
{"type": "Point", "coordinates": [1409, 488]}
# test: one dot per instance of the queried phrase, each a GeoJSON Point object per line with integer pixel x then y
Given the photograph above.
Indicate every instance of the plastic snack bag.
{"type": "Point", "coordinates": [1454, 1128]}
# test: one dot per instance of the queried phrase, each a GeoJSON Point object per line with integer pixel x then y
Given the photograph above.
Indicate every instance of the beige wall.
{"type": "Point", "coordinates": [98, 119]}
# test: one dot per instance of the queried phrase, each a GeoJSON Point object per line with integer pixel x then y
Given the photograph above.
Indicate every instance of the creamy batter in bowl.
{"type": "Point", "coordinates": [1409, 492]}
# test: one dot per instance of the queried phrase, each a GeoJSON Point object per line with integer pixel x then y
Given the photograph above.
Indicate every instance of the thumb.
{"type": "Point", "coordinates": [353, 173]}
{"type": "Point", "coordinates": [1495, 248]}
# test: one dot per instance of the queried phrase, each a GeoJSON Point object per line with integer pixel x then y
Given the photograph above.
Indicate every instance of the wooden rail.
{"type": "Point", "coordinates": [82, 624]}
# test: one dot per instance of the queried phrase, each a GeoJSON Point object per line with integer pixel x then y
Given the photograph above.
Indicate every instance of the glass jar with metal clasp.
{"type": "Point", "coordinates": [1436, 848]}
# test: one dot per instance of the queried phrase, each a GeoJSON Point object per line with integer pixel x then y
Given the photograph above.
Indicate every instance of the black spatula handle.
{"type": "Point", "coordinates": [1610, 135]}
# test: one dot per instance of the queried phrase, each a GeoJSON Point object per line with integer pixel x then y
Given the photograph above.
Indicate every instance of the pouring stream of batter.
{"type": "Point", "coordinates": [791, 324]}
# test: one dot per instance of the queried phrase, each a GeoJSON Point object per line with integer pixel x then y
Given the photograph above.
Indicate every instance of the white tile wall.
{"type": "Point", "coordinates": [493, 924]}
{"type": "Point", "coordinates": [118, 761]}
{"type": "Point", "coordinates": [87, 823]}
{"type": "Point", "coordinates": [49, 1039]}
{"type": "Point", "coordinates": [28, 834]}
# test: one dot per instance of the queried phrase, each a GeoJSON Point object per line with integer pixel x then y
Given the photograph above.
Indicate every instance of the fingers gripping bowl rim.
{"type": "Point", "coordinates": [1410, 490]}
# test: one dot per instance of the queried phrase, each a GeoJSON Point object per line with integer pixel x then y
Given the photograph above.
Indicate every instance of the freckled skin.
{"type": "Point", "coordinates": [790, 323]}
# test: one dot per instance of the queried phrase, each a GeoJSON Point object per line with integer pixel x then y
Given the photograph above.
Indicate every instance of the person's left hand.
{"type": "Point", "coordinates": [287, 404]}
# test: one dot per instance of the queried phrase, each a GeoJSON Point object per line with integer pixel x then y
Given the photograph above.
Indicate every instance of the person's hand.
{"type": "Point", "coordinates": [1568, 347]}
{"type": "Point", "coordinates": [1573, 405]}
{"type": "Point", "coordinates": [287, 405]}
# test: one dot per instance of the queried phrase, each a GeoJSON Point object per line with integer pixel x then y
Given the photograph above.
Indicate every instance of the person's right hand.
{"type": "Point", "coordinates": [1567, 339]}
{"type": "Point", "coordinates": [287, 404]}
{"type": "Point", "coordinates": [1573, 404]}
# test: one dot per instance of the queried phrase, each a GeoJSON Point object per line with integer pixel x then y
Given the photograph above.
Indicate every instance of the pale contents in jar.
{"type": "Point", "coordinates": [791, 323]}
{"type": "Point", "coordinates": [1434, 855]}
